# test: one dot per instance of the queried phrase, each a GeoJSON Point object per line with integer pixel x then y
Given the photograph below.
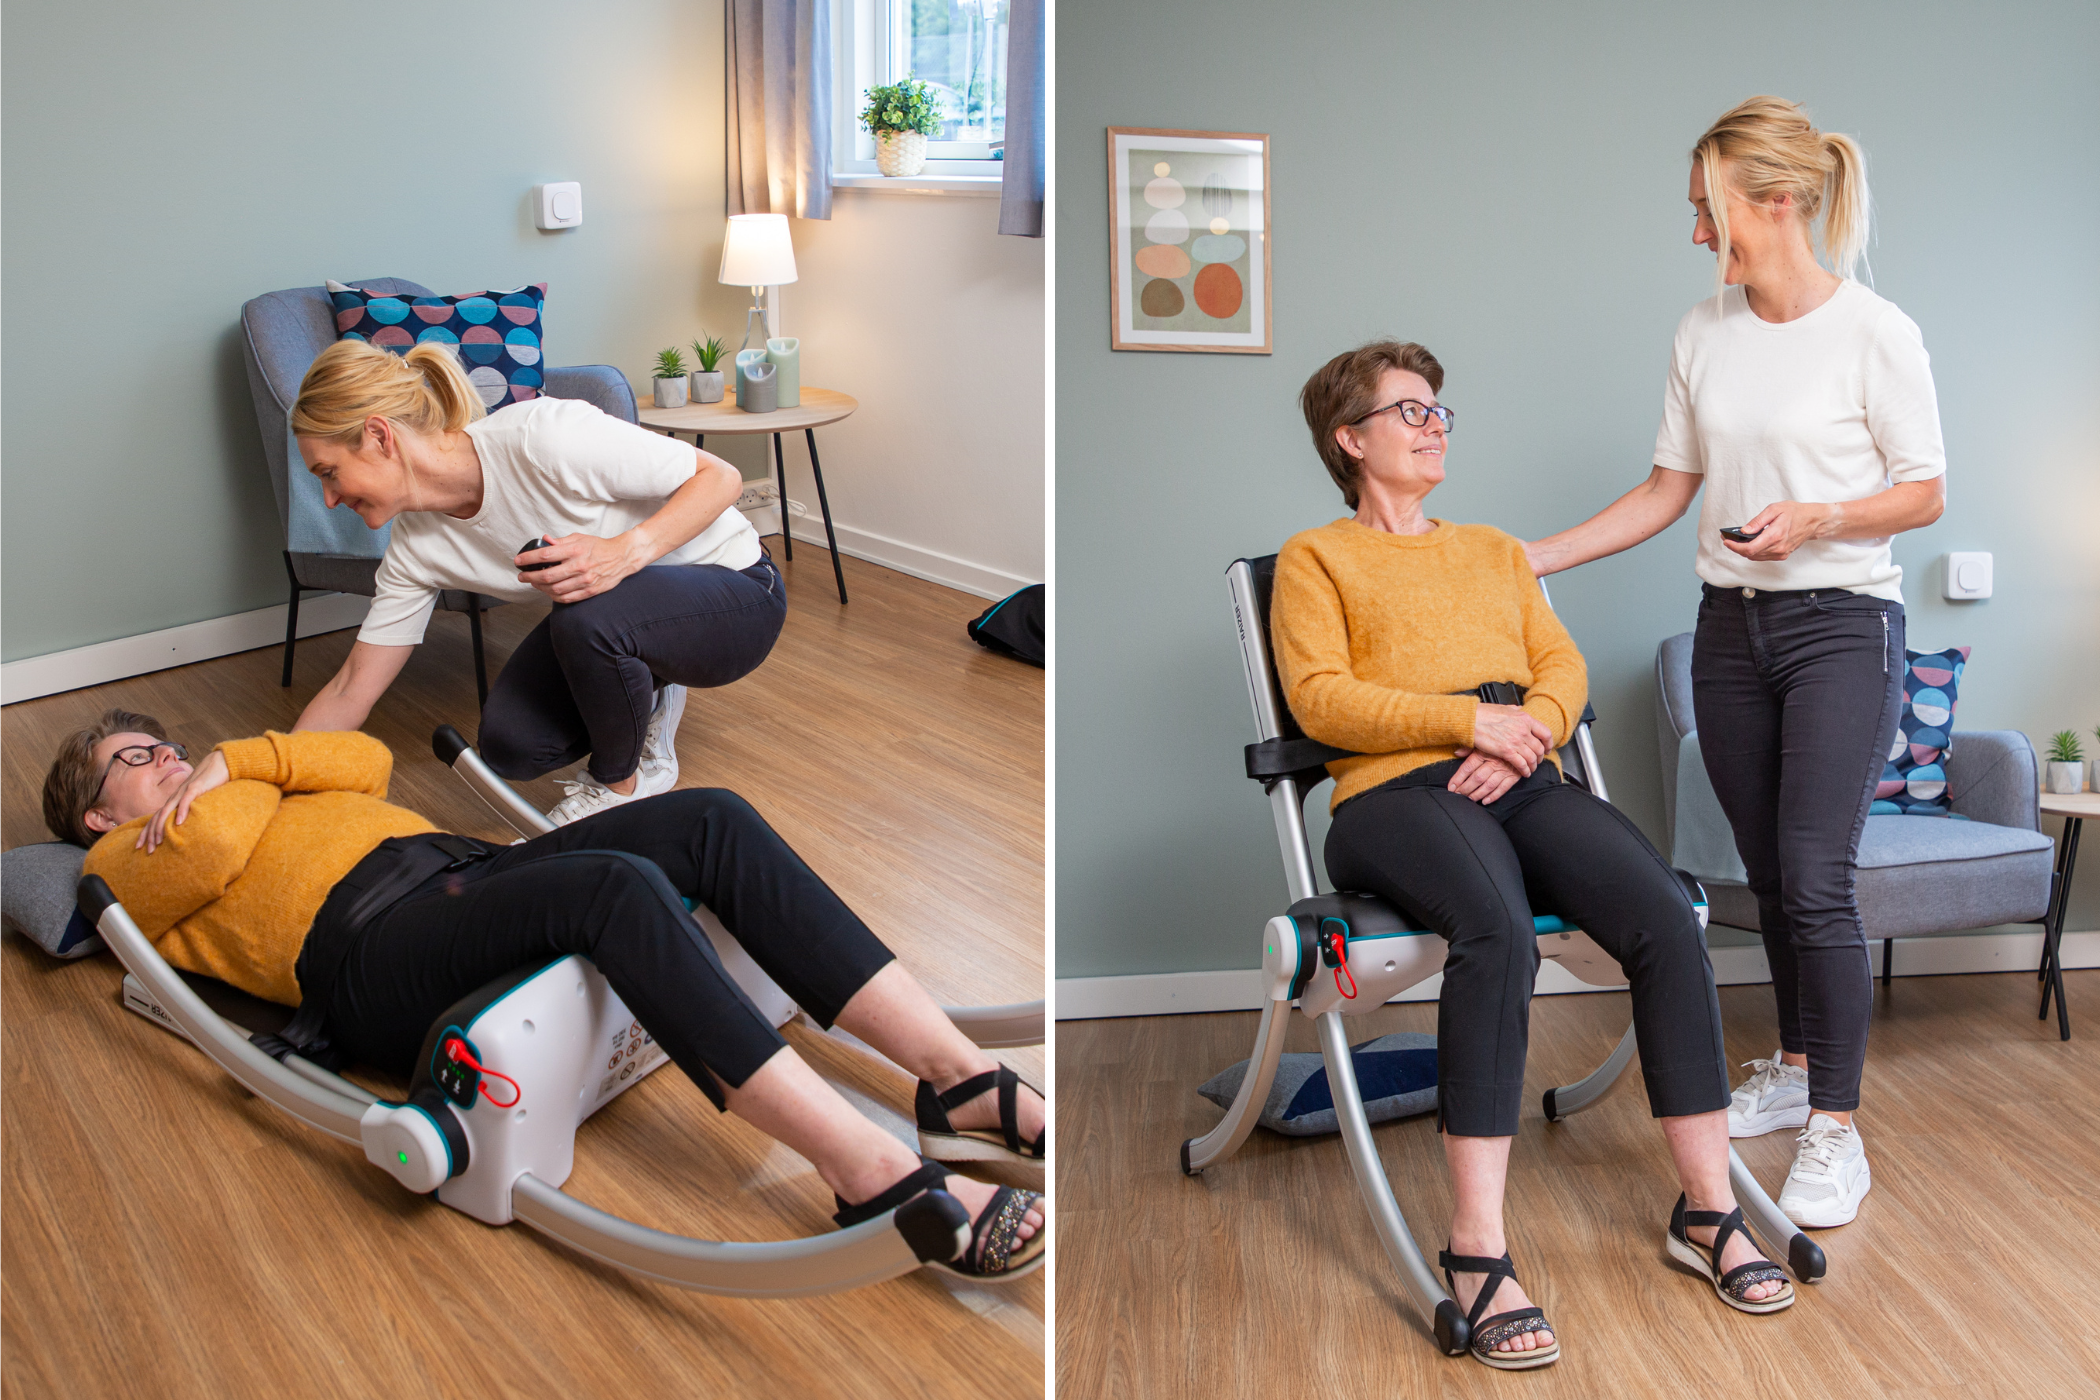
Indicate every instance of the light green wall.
{"type": "Point", "coordinates": [1507, 185]}
{"type": "Point", "coordinates": [164, 163]}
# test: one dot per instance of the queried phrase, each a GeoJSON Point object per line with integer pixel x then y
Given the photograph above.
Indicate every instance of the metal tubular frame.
{"type": "Point", "coordinates": [1804, 1258]}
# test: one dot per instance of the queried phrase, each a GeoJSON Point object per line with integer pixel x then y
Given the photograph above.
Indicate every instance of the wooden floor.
{"type": "Point", "coordinates": [1969, 1273]}
{"type": "Point", "coordinates": [164, 1234]}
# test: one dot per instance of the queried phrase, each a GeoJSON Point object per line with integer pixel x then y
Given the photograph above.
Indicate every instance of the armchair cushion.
{"type": "Point", "coordinates": [497, 335]}
{"type": "Point", "coordinates": [1914, 782]}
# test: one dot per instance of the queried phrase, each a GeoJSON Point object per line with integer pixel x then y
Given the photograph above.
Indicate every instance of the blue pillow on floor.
{"type": "Point", "coordinates": [38, 885]}
{"type": "Point", "coordinates": [1396, 1075]}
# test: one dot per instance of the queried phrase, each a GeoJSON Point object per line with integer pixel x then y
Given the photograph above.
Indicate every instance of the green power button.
{"type": "Point", "coordinates": [404, 1158]}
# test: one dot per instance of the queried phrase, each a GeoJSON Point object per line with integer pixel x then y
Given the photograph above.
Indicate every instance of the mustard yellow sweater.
{"type": "Point", "coordinates": [233, 890]}
{"type": "Point", "coordinates": [1374, 631]}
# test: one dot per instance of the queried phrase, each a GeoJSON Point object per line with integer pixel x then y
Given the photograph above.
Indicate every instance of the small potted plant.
{"type": "Point", "coordinates": [670, 378]}
{"type": "Point", "coordinates": [902, 115]}
{"type": "Point", "coordinates": [706, 381]}
{"type": "Point", "coordinates": [2066, 762]}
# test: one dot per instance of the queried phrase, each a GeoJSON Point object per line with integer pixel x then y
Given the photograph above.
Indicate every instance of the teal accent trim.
{"type": "Point", "coordinates": [1002, 603]}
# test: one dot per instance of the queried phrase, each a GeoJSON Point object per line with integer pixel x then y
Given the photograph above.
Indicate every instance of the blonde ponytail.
{"type": "Point", "coordinates": [1766, 147]}
{"type": "Point", "coordinates": [352, 380]}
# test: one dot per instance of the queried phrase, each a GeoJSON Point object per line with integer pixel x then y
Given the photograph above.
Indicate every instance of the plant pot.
{"type": "Point", "coordinates": [670, 393]}
{"type": "Point", "coordinates": [900, 152]}
{"type": "Point", "coordinates": [2066, 777]}
{"type": "Point", "coordinates": [706, 385]}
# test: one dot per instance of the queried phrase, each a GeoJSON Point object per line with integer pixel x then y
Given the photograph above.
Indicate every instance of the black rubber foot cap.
{"type": "Point", "coordinates": [448, 744]}
{"type": "Point", "coordinates": [1547, 1104]}
{"type": "Point", "coordinates": [1805, 1257]}
{"type": "Point", "coordinates": [1454, 1336]}
{"type": "Point", "coordinates": [1186, 1169]}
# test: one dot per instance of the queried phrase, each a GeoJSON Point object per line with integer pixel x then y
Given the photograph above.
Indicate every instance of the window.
{"type": "Point", "coordinates": [957, 47]}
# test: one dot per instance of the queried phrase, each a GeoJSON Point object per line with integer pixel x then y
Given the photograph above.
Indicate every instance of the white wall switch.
{"type": "Point", "coordinates": [1968, 576]}
{"type": "Point", "coordinates": [558, 205]}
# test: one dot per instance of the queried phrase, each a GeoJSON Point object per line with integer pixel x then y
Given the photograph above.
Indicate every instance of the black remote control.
{"type": "Point", "coordinates": [1735, 532]}
{"type": "Point", "coordinates": [527, 548]}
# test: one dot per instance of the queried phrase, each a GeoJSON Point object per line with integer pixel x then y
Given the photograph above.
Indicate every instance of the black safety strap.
{"type": "Point", "coordinates": [415, 860]}
{"type": "Point", "coordinates": [1273, 760]}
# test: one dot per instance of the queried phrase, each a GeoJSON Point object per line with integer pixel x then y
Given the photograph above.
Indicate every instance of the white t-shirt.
{"type": "Point", "coordinates": [1833, 406]}
{"type": "Point", "coordinates": [548, 467]}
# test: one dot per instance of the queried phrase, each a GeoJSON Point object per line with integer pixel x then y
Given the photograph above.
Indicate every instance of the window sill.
{"type": "Point", "coordinates": [966, 185]}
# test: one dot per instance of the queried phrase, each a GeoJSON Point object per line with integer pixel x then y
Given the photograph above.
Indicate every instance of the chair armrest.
{"type": "Point", "coordinates": [595, 384]}
{"type": "Point", "coordinates": [1992, 777]}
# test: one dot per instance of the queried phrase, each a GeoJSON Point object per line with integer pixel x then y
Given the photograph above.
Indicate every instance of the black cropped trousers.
{"type": "Point", "coordinates": [1477, 875]}
{"type": "Point", "coordinates": [608, 888]}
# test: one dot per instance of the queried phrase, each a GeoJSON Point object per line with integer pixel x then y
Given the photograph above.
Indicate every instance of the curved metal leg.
{"type": "Point", "coordinates": [1449, 1323]}
{"type": "Point", "coordinates": [1225, 1139]}
{"type": "Point", "coordinates": [1573, 1098]}
{"type": "Point", "coordinates": [1803, 1255]}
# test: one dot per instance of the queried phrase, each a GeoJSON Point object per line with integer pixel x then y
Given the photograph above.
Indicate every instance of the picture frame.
{"type": "Point", "coordinates": [1188, 242]}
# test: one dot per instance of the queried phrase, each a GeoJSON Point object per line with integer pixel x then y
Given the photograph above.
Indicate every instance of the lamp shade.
{"type": "Point", "coordinates": [758, 251]}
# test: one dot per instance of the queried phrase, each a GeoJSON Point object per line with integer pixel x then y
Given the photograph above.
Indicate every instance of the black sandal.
{"type": "Point", "coordinates": [944, 1142]}
{"type": "Point", "coordinates": [992, 1255]}
{"type": "Point", "coordinates": [1490, 1332]}
{"type": "Point", "coordinates": [1705, 1259]}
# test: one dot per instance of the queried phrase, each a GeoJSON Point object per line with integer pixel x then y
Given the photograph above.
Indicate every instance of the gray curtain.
{"type": "Point", "coordinates": [780, 107]}
{"type": "Point", "coordinates": [1021, 185]}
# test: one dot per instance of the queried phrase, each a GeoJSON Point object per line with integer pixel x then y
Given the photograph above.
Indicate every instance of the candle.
{"type": "Point", "coordinates": [785, 354]}
{"type": "Point", "coordinates": [760, 384]}
{"type": "Point", "coordinates": [744, 360]}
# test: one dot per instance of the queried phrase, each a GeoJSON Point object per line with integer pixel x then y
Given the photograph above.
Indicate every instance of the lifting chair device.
{"type": "Point", "coordinates": [1386, 953]}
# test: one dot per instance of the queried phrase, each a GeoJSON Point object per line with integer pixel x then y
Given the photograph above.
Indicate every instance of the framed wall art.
{"type": "Point", "coordinates": [1188, 240]}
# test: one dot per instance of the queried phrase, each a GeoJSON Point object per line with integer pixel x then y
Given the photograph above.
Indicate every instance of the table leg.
{"type": "Point", "coordinates": [2052, 933]}
{"type": "Point", "coordinates": [838, 572]}
{"type": "Point", "coordinates": [787, 536]}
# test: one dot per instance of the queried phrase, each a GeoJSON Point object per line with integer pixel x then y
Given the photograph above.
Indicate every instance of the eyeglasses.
{"type": "Point", "coordinates": [1414, 413]}
{"type": "Point", "coordinates": [136, 756]}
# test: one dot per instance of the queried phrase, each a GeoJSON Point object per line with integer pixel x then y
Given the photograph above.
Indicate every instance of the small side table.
{"type": "Point", "coordinates": [818, 407]}
{"type": "Point", "coordinates": [2074, 808]}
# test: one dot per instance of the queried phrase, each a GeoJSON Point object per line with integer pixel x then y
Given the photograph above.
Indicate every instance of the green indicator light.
{"type": "Point", "coordinates": [404, 1159]}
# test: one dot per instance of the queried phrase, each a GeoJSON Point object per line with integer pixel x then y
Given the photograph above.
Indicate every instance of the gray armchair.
{"type": "Point", "coordinates": [1917, 875]}
{"type": "Point", "coordinates": [331, 550]}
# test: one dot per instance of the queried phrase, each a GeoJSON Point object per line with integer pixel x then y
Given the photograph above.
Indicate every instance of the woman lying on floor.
{"type": "Point", "coordinates": [247, 867]}
{"type": "Point", "coordinates": [1386, 624]}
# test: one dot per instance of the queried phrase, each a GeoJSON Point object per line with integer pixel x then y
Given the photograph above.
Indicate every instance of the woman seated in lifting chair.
{"type": "Point", "coordinates": [1386, 625]}
{"type": "Point", "coordinates": [277, 865]}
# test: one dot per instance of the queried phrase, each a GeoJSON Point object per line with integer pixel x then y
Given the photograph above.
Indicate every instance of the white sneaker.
{"type": "Point", "coordinates": [1774, 1097]}
{"type": "Point", "coordinates": [660, 743]}
{"type": "Point", "coordinates": [586, 795]}
{"type": "Point", "coordinates": [1830, 1176]}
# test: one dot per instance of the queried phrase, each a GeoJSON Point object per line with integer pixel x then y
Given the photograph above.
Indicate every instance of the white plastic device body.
{"type": "Point", "coordinates": [1968, 576]}
{"type": "Point", "coordinates": [557, 205]}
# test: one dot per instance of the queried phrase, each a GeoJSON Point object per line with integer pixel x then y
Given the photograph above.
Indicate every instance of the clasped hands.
{"type": "Point", "coordinates": [1508, 743]}
{"type": "Point", "coordinates": [581, 566]}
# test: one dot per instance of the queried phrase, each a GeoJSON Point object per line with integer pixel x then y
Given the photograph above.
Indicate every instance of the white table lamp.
{"type": "Point", "coordinates": [757, 254]}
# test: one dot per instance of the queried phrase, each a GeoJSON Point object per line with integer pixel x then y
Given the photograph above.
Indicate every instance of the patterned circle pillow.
{"type": "Point", "coordinates": [495, 334]}
{"type": "Point", "coordinates": [1914, 782]}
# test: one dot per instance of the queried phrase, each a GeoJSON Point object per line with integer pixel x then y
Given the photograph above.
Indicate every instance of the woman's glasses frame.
{"type": "Point", "coordinates": [145, 756]}
{"type": "Point", "coordinates": [1421, 415]}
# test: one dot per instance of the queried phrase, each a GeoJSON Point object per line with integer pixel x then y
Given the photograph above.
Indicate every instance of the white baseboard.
{"type": "Point", "coordinates": [981, 579]}
{"type": "Point", "coordinates": [57, 671]}
{"type": "Point", "coordinates": [1182, 993]}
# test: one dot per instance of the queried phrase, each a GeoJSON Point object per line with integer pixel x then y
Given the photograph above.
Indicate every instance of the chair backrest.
{"type": "Point", "coordinates": [283, 332]}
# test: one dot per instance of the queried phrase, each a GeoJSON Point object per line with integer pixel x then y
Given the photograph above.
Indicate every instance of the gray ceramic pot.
{"type": "Point", "coordinates": [670, 393]}
{"type": "Point", "coordinates": [706, 385]}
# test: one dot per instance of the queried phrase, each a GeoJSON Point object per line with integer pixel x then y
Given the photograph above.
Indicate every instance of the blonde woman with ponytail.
{"type": "Point", "coordinates": [1805, 404]}
{"type": "Point", "coordinates": [657, 582]}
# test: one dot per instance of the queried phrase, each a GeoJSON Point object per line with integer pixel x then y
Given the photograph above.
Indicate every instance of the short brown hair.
{"type": "Point", "coordinates": [71, 785]}
{"type": "Point", "coordinates": [1346, 388]}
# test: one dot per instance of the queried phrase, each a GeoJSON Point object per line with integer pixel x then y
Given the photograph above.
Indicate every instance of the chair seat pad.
{"type": "Point", "coordinates": [1920, 875]}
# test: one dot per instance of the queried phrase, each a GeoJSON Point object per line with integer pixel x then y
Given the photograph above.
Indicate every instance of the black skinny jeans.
{"type": "Point", "coordinates": [607, 888]}
{"type": "Point", "coordinates": [1796, 696]}
{"type": "Point", "coordinates": [584, 680]}
{"type": "Point", "coordinates": [1476, 874]}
